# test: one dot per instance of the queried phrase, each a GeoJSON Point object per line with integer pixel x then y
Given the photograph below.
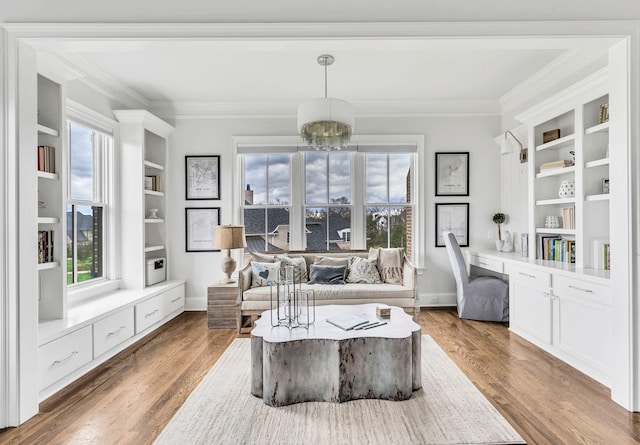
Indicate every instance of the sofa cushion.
{"type": "Point", "coordinates": [264, 257]}
{"type": "Point", "coordinates": [331, 261]}
{"type": "Point", "coordinates": [362, 270]}
{"type": "Point", "coordinates": [321, 274]}
{"type": "Point", "coordinates": [299, 267]}
{"type": "Point", "coordinates": [263, 274]}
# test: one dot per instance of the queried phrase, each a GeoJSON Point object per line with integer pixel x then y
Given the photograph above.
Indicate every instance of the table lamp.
{"type": "Point", "coordinates": [229, 237]}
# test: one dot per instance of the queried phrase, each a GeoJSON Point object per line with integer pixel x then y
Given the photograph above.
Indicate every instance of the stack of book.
{"type": "Point", "coordinates": [152, 183]}
{"type": "Point", "coordinates": [555, 164]}
{"type": "Point", "coordinates": [601, 254]}
{"type": "Point", "coordinates": [45, 246]}
{"type": "Point", "coordinates": [569, 218]}
{"type": "Point", "coordinates": [555, 248]}
{"type": "Point", "coordinates": [46, 158]}
{"type": "Point", "coordinates": [383, 311]}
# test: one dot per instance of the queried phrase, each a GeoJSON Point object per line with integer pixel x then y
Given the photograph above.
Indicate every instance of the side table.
{"type": "Point", "coordinates": [221, 305]}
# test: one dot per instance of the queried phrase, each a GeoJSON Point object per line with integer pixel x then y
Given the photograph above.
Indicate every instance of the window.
{"type": "Point", "coordinates": [86, 203]}
{"type": "Point", "coordinates": [294, 199]}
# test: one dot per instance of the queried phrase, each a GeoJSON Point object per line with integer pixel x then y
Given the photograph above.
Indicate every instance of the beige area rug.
{"type": "Point", "coordinates": [447, 410]}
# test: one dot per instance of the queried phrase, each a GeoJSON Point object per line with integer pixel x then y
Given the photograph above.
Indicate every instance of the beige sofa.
{"type": "Point", "coordinates": [253, 301]}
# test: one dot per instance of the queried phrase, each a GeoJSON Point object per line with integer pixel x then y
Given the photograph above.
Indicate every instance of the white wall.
{"type": "Point", "coordinates": [213, 136]}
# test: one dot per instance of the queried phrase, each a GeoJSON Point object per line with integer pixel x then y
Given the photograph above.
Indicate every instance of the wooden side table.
{"type": "Point", "coordinates": [221, 305]}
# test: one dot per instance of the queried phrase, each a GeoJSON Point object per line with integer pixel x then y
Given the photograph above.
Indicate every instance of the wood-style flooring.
{"type": "Point", "coordinates": [130, 398]}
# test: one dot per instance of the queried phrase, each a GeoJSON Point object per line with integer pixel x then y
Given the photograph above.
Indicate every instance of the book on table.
{"type": "Point", "coordinates": [348, 321]}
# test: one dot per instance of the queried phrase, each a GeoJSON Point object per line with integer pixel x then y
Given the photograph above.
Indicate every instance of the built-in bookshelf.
{"type": "Point", "coordinates": [569, 175]}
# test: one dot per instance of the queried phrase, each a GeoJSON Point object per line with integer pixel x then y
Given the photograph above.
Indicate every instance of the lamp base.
{"type": "Point", "coordinates": [227, 281]}
{"type": "Point", "coordinates": [228, 266]}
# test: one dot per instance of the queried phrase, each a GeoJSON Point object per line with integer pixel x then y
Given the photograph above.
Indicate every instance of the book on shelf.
{"type": "Point", "coordinates": [46, 158]}
{"type": "Point", "coordinates": [556, 248]}
{"type": "Point", "coordinates": [569, 218]}
{"type": "Point", "coordinates": [348, 321]}
{"type": "Point", "coordinates": [152, 182]}
{"type": "Point", "coordinates": [45, 246]}
{"type": "Point", "coordinates": [601, 253]}
{"type": "Point", "coordinates": [556, 164]}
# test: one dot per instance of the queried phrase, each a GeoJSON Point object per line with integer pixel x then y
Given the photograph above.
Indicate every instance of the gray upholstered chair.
{"type": "Point", "coordinates": [479, 298]}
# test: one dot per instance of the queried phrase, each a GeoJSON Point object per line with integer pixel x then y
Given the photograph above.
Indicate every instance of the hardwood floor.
{"type": "Point", "coordinates": [130, 399]}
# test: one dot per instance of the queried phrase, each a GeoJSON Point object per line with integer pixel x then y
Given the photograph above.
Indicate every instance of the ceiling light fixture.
{"type": "Point", "coordinates": [325, 124]}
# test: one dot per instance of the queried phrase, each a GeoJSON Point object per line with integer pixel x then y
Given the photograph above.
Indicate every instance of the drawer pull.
{"type": "Point", "coordinates": [176, 299]}
{"type": "Point", "coordinates": [580, 289]}
{"type": "Point", "coordinates": [527, 275]}
{"type": "Point", "coordinates": [482, 263]}
{"type": "Point", "coordinates": [117, 331]}
{"type": "Point", "coordinates": [64, 359]}
{"type": "Point", "coordinates": [151, 313]}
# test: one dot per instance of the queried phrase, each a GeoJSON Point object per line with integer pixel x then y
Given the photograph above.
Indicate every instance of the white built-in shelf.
{"type": "Point", "coordinates": [597, 128]}
{"type": "Point", "coordinates": [50, 265]}
{"type": "Point", "coordinates": [153, 165]}
{"type": "Point", "coordinates": [600, 197]}
{"type": "Point", "coordinates": [556, 171]}
{"type": "Point", "coordinates": [596, 163]}
{"type": "Point", "coordinates": [153, 220]}
{"type": "Point", "coordinates": [558, 143]}
{"type": "Point", "coordinates": [46, 130]}
{"type": "Point", "coordinates": [556, 201]}
{"type": "Point", "coordinates": [556, 231]}
{"type": "Point", "coordinates": [48, 220]}
{"type": "Point", "coordinates": [153, 248]}
{"type": "Point", "coordinates": [47, 175]}
{"type": "Point", "coordinates": [153, 193]}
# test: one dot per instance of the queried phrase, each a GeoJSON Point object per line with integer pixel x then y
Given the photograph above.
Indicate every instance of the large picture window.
{"type": "Point", "coordinates": [86, 235]}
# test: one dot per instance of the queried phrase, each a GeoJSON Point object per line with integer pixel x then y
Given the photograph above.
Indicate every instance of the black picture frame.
{"type": "Point", "coordinates": [453, 217]}
{"type": "Point", "coordinates": [452, 173]}
{"type": "Point", "coordinates": [202, 177]}
{"type": "Point", "coordinates": [200, 228]}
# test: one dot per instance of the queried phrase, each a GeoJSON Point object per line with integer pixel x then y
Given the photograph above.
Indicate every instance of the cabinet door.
{"type": "Point", "coordinates": [530, 311]}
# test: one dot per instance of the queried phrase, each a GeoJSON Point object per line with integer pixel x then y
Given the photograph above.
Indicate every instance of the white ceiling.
{"type": "Point", "coordinates": [272, 76]}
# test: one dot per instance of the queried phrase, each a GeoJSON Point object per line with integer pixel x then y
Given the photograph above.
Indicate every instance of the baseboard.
{"type": "Point", "coordinates": [437, 299]}
{"type": "Point", "coordinates": [195, 304]}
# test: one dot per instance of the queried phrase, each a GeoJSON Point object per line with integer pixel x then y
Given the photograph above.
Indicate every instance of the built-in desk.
{"type": "Point", "coordinates": [562, 309]}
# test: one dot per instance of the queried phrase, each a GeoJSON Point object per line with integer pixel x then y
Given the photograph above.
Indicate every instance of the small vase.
{"type": "Point", "coordinates": [499, 244]}
{"type": "Point", "coordinates": [567, 189]}
{"type": "Point", "coordinates": [508, 244]}
{"type": "Point", "coordinates": [153, 213]}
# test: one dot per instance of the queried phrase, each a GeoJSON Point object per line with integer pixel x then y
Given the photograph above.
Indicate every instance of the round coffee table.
{"type": "Point", "coordinates": [327, 363]}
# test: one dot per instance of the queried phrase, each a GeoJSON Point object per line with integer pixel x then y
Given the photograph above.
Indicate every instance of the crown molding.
{"type": "Point", "coordinates": [409, 108]}
{"type": "Point", "coordinates": [56, 69]}
{"type": "Point", "coordinates": [148, 120]}
{"type": "Point", "coordinates": [560, 68]}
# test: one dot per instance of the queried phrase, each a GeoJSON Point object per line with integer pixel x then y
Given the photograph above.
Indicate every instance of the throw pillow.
{"type": "Point", "coordinates": [263, 274]}
{"type": "Point", "coordinates": [390, 262]}
{"type": "Point", "coordinates": [263, 257]}
{"type": "Point", "coordinates": [321, 274]}
{"type": "Point", "coordinates": [331, 261]}
{"type": "Point", "coordinates": [299, 267]}
{"type": "Point", "coordinates": [362, 270]}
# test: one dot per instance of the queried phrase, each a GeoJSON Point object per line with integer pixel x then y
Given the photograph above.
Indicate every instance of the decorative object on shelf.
{"type": "Point", "coordinates": [567, 189]}
{"type": "Point", "coordinates": [552, 222]}
{"type": "Point", "coordinates": [604, 113]}
{"type": "Point", "coordinates": [200, 225]}
{"type": "Point", "coordinates": [556, 164]}
{"type": "Point", "coordinates": [452, 217]}
{"type": "Point", "coordinates": [573, 157]}
{"type": "Point", "coordinates": [326, 123]}
{"type": "Point", "coordinates": [550, 135]}
{"type": "Point", "coordinates": [507, 147]}
{"type": "Point", "coordinates": [499, 244]}
{"type": "Point", "coordinates": [524, 244]}
{"type": "Point", "coordinates": [153, 214]}
{"type": "Point", "coordinates": [605, 186]}
{"type": "Point", "coordinates": [229, 237]}
{"type": "Point", "coordinates": [202, 175]}
{"type": "Point", "coordinates": [508, 242]}
{"type": "Point", "coordinates": [499, 218]}
{"type": "Point", "coordinates": [452, 174]}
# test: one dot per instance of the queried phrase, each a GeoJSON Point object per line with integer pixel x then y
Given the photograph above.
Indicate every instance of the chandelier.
{"type": "Point", "coordinates": [325, 124]}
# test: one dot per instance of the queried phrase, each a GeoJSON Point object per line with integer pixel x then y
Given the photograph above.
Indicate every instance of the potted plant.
{"type": "Point", "coordinates": [499, 218]}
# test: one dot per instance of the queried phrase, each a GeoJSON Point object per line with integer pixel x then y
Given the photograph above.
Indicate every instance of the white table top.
{"type": "Point", "coordinates": [399, 325]}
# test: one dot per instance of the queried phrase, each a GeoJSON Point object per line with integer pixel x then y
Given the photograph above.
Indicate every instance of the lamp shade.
{"type": "Point", "coordinates": [229, 237]}
{"type": "Point", "coordinates": [505, 146]}
{"type": "Point", "coordinates": [325, 109]}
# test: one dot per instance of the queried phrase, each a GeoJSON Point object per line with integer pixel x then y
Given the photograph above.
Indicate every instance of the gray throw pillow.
{"type": "Point", "coordinates": [320, 274]}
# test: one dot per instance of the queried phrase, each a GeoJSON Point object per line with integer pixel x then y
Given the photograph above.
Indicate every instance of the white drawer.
{"type": "Point", "coordinates": [60, 357]}
{"type": "Point", "coordinates": [528, 275]}
{"type": "Point", "coordinates": [174, 299]}
{"type": "Point", "coordinates": [112, 331]}
{"type": "Point", "coordinates": [149, 312]}
{"type": "Point", "coordinates": [486, 263]}
{"type": "Point", "coordinates": [580, 288]}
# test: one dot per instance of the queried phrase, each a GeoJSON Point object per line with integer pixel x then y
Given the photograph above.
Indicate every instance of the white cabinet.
{"type": "Point", "coordinates": [530, 313]}
{"type": "Point", "coordinates": [149, 313]}
{"type": "Point", "coordinates": [143, 172]}
{"type": "Point", "coordinates": [63, 356]}
{"type": "Point", "coordinates": [113, 330]}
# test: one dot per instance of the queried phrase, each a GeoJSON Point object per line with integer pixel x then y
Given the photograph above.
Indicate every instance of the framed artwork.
{"type": "Point", "coordinates": [202, 177]}
{"type": "Point", "coordinates": [200, 226]}
{"type": "Point", "coordinates": [452, 217]}
{"type": "Point", "coordinates": [452, 173]}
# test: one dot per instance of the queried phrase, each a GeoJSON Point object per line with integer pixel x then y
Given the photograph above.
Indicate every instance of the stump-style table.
{"type": "Point", "coordinates": [326, 363]}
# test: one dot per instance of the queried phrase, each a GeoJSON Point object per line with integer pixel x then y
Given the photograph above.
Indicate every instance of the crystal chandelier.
{"type": "Point", "coordinates": [325, 124]}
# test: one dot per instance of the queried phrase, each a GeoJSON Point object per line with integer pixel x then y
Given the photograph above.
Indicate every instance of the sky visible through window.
{"type": "Point", "coordinates": [81, 163]}
{"type": "Point", "coordinates": [376, 176]}
{"type": "Point", "coordinates": [256, 178]}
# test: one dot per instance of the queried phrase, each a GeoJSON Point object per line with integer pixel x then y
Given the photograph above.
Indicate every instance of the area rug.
{"type": "Point", "coordinates": [447, 410]}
